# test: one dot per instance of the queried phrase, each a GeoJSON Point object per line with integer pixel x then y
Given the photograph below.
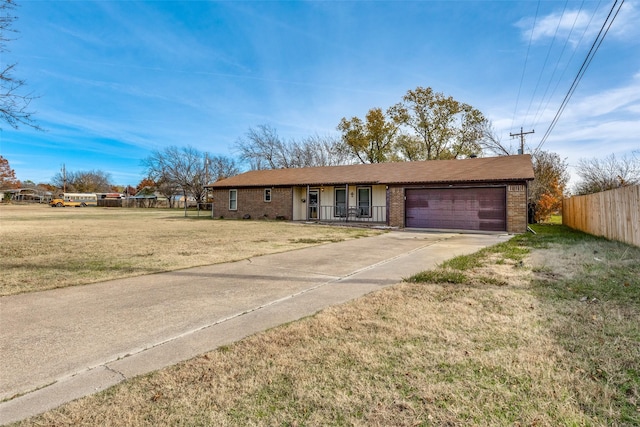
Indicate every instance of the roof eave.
{"type": "Point", "coordinates": [339, 183]}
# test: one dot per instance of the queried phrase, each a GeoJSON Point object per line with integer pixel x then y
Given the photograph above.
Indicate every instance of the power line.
{"type": "Point", "coordinates": [546, 59]}
{"type": "Point", "coordinates": [526, 59]}
{"type": "Point", "coordinates": [539, 116]}
{"type": "Point", "coordinates": [534, 123]}
{"type": "Point", "coordinates": [585, 64]}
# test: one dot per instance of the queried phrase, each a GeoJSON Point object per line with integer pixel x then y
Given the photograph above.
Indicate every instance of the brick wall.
{"type": "Point", "coordinates": [251, 202]}
{"type": "Point", "coordinates": [516, 208]}
{"type": "Point", "coordinates": [395, 199]}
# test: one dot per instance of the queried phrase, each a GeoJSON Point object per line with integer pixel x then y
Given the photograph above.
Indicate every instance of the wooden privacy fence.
{"type": "Point", "coordinates": [614, 214]}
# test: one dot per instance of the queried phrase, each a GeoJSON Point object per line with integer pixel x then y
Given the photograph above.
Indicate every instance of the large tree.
{"type": "Point", "coordinates": [14, 102]}
{"type": "Point", "coordinates": [607, 173]}
{"type": "Point", "coordinates": [316, 150]}
{"type": "Point", "coordinates": [220, 167]}
{"type": "Point", "coordinates": [370, 140]}
{"type": "Point", "coordinates": [446, 128]}
{"type": "Point", "coordinates": [176, 167]}
{"type": "Point", "coordinates": [186, 169]}
{"type": "Point", "coordinates": [93, 181]}
{"type": "Point", "coordinates": [262, 148]}
{"type": "Point", "coordinates": [549, 185]}
{"type": "Point", "coordinates": [407, 148]}
{"type": "Point", "coordinates": [8, 178]}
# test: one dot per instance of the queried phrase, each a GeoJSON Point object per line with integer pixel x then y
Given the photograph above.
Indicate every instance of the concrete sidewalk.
{"type": "Point", "coordinates": [63, 344]}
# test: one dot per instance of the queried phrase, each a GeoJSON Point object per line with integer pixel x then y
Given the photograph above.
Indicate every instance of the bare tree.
{"type": "Point", "coordinates": [607, 173]}
{"type": "Point", "coordinates": [319, 150]}
{"type": "Point", "coordinates": [175, 167]}
{"type": "Point", "coordinates": [14, 103]}
{"type": "Point", "coordinates": [168, 189]}
{"type": "Point", "coordinates": [490, 142]}
{"type": "Point", "coordinates": [220, 167]}
{"type": "Point", "coordinates": [186, 169]}
{"type": "Point", "coordinates": [93, 181]}
{"type": "Point", "coordinates": [262, 148]}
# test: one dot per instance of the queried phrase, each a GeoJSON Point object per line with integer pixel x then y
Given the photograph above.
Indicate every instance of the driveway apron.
{"type": "Point", "coordinates": [62, 344]}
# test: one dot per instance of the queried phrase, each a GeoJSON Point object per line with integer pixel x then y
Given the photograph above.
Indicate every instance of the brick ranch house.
{"type": "Point", "coordinates": [481, 194]}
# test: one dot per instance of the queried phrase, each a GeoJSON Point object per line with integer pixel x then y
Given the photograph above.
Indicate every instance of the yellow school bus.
{"type": "Point", "coordinates": [75, 199]}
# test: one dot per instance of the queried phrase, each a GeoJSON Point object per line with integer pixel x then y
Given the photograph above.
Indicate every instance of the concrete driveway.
{"type": "Point", "coordinates": [63, 344]}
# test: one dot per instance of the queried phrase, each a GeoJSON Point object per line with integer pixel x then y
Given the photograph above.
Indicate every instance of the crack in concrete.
{"type": "Point", "coordinates": [122, 376]}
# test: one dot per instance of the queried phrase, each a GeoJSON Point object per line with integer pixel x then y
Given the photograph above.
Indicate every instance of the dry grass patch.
{"type": "Point", "coordinates": [44, 248]}
{"type": "Point", "coordinates": [397, 357]}
{"type": "Point", "coordinates": [526, 352]}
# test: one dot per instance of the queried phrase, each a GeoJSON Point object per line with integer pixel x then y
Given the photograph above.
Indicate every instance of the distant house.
{"type": "Point", "coordinates": [482, 194]}
{"type": "Point", "coordinates": [34, 195]}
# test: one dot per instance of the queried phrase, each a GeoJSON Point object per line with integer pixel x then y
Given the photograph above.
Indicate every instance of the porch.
{"type": "Point", "coordinates": [371, 214]}
{"type": "Point", "coordinates": [357, 204]}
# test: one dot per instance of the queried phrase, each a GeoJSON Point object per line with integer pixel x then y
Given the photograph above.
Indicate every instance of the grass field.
{"type": "Point", "coordinates": [555, 219]}
{"type": "Point", "coordinates": [44, 248]}
{"type": "Point", "coordinates": [541, 330]}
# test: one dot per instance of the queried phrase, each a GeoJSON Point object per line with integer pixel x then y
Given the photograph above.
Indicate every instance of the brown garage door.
{"type": "Point", "coordinates": [456, 208]}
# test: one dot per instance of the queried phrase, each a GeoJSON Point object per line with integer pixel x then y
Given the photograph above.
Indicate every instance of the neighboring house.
{"type": "Point", "coordinates": [35, 195]}
{"type": "Point", "coordinates": [142, 200]}
{"type": "Point", "coordinates": [179, 200]}
{"type": "Point", "coordinates": [484, 194]}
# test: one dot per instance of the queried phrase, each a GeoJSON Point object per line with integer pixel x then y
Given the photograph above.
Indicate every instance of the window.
{"type": "Point", "coordinates": [267, 194]}
{"type": "Point", "coordinates": [340, 205]}
{"type": "Point", "coordinates": [233, 200]}
{"type": "Point", "coordinates": [364, 201]}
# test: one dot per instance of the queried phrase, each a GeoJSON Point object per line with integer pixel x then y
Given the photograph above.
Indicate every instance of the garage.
{"type": "Point", "coordinates": [476, 208]}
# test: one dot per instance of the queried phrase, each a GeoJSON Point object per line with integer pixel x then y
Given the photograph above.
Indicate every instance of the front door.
{"type": "Point", "coordinates": [313, 204]}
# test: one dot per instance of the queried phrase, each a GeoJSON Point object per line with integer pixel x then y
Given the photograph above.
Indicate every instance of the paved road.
{"type": "Point", "coordinates": [62, 344]}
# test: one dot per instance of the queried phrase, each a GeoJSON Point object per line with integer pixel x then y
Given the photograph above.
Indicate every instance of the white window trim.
{"type": "Point", "coordinates": [235, 199]}
{"type": "Point", "coordinates": [369, 200]}
{"type": "Point", "coordinates": [268, 191]}
{"type": "Point", "coordinates": [336, 212]}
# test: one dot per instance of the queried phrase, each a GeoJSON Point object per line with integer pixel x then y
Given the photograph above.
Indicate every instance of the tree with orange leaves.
{"type": "Point", "coordinates": [7, 175]}
{"type": "Point", "coordinates": [550, 201]}
{"type": "Point", "coordinates": [548, 188]}
{"type": "Point", "coordinates": [146, 183]}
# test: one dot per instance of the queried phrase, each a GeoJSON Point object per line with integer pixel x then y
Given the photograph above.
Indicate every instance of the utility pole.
{"type": "Point", "coordinates": [521, 135]}
{"type": "Point", "coordinates": [206, 168]}
{"type": "Point", "coordinates": [206, 180]}
{"type": "Point", "coordinates": [64, 179]}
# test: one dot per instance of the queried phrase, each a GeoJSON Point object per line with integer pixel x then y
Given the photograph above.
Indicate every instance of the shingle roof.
{"type": "Point", "coordinates": [486, 169]}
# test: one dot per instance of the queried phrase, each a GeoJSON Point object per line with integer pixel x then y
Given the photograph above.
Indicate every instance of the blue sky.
{"type": "Point", "coordinates": [118, 79]}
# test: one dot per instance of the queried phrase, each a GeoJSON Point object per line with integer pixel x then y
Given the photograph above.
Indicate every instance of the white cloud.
{"type": "Point", "coordinates": [592, 126]}
{"type": "Point", "coordinates": [579, 25]}
{"type": "Point", "coordinates": [571, 24]}
{"type": "Point", "coordinates": [626, 24]}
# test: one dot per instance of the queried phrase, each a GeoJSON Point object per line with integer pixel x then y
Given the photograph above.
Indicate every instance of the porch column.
{"type": "Point", "coordinates": [306, 204]}
{"type": "Point", "coordinates": [387, 200]}
{"type": "Point", "coordinates": [346, 203]}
